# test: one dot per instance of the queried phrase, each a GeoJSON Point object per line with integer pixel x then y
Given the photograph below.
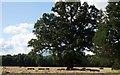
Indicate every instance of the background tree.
{"type": "Point", "coordinates": [6, 59]}
{"type": "Point", "coordinates": [67, 34]}
{"type": "Point", "coordinates": [28, 60]}
{"type": "Point", "coordinates": [107, 37]}
{"type": "Point", "coordinates": [0, 60]}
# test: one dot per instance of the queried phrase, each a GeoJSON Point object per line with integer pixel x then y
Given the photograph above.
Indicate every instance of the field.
{"type": "Point", "coordinates": [8, 69]}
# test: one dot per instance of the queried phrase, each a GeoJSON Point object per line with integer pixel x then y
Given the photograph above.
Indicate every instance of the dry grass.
{"type": "Point", "coordinates": [54, 70]}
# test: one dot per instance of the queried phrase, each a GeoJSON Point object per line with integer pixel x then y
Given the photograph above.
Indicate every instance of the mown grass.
{"type": "Point", "coordinates": [108, 70]}
{"type": "Point", "coordinates": [54, 70]}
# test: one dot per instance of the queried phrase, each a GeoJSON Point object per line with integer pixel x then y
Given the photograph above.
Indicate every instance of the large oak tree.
{"type": "Point", "coordinates": [68, 34]}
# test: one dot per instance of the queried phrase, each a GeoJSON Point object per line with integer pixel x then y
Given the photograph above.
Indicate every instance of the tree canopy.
{"type": "Point", "coordinates": [68, 34]}
{"type": "Point", "coordinates": [107, 37]}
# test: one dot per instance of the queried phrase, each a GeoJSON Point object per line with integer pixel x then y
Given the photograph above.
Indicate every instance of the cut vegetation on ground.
{"type": "Point", "coordinates": [57, 70]}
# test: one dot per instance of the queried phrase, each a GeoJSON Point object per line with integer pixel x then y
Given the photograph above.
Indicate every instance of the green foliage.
{"type": "Point", "coordinates": [66, 34]}
{"type": "Point", "coordinates": [18, 60]}
{"type": "Point", "coordinates": [6, 59]}
{"type": "Point", "coordinates": [49, 61]}
{"type": "Point", "coordinates": [107, 37]}
{"type": "Point", "coordinates": [30, 59]}
{"type": "Point", "coordinates": [93, 60]}
{"type": "Point", "coordinates": [116, 65]}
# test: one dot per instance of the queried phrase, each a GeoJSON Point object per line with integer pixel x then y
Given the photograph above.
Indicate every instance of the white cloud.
{"type": "Point", "coordinates": [1, 40]}
{"type": "Point", "coordinates": [17, 43]}
{"type": "Point", "coordinates": [14, 30]}
{"type": "Point", "coordinates": [99, 5]}
{"type": "Point", "coordinates": [20, 28]}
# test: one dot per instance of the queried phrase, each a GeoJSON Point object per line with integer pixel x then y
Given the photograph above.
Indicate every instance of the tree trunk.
{"type": "Point", "coordinates": [69, 68]}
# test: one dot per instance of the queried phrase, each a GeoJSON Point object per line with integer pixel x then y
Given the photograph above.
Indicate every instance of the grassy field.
{"type": "Point", "coordinates": [55, 70]}
{"type": "Point", "coordinates": [107, 70]}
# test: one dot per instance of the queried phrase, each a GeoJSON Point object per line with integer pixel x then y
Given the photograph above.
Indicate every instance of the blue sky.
{"type": "Point", "coordinates": [0, 19]}
{"type": "Point", "coordinates": [17, 12]}
{"type": "Point", "coordinates": [17, 23]}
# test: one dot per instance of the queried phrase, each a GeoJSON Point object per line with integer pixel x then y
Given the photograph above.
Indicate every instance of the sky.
{"type": "Point", "coordinates": [17, 22]}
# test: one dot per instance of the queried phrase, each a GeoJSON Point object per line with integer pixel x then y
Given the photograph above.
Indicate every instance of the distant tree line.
{"type": "Point", "coordinates": [46, 61]}
{"type": "Point", "coordinates": [27, 60]}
